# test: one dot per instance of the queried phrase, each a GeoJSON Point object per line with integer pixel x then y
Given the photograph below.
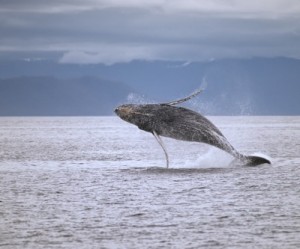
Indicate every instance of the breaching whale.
{"type": "Point", "coordinates": [169, 120]}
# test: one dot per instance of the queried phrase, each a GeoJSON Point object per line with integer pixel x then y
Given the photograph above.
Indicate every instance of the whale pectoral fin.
{"type": "Point", "coordinates": [179, 101]}
{"type": "Point", "coordinates": [158, 139]}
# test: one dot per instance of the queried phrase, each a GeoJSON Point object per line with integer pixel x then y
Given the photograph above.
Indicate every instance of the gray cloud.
{"type": "Point", "coordinates": [120, 31]}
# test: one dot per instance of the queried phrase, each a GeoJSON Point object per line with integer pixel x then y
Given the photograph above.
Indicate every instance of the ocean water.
{"type": "Point", "coordinates": [98, 182]}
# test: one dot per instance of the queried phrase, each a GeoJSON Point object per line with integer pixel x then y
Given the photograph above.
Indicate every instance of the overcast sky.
{"type": "Point", "coordinates": [111, 31]}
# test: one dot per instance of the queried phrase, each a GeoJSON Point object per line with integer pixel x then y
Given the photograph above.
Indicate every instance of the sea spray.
{"type": "Point", "coordinates": [212, 158]}
{"type": "Point", "coordinates": [135, 98]}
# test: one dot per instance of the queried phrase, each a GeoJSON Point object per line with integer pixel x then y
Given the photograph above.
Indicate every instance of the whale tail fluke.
{"type": "Point", "coordinates": [254, 160]}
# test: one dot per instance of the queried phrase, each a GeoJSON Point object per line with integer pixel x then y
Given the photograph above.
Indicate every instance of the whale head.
{"type": "Point", "coordinates": [138, 115]}
{"type": "Point", "coordinates": [126, 112]}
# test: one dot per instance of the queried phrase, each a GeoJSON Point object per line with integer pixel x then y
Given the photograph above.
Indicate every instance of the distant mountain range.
{"type": "Point", "coordinates": [257, 86]}
{"type": "Point", "coordinates": [40, 96]}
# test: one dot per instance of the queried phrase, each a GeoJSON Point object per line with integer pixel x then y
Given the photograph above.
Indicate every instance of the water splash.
{"type": "Point", "coordinates": [204, 83]}
{"type": "Point", "coordinates": [134, 98]}
{"type": "Point", "coordinates": [245, 106]}
{"type": "Point", "coordinates": [212, 158]}
{"type": "Point", "coordinates": [201, 106]}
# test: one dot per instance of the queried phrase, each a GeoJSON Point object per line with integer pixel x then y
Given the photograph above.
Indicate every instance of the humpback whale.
{"type": "Point", "coordinates": [170, 120]}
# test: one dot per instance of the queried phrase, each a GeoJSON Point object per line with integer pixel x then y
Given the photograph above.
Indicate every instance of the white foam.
{"type": "Point", "coordinates": [213, 158]}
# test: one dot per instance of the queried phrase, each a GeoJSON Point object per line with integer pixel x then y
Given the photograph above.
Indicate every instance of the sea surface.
{"type": "Point", "coordinates": [99, 182]}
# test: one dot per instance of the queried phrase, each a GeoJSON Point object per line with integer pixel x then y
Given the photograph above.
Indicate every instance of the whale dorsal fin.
{"type": "Point", "coordinates": [179, 101]}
